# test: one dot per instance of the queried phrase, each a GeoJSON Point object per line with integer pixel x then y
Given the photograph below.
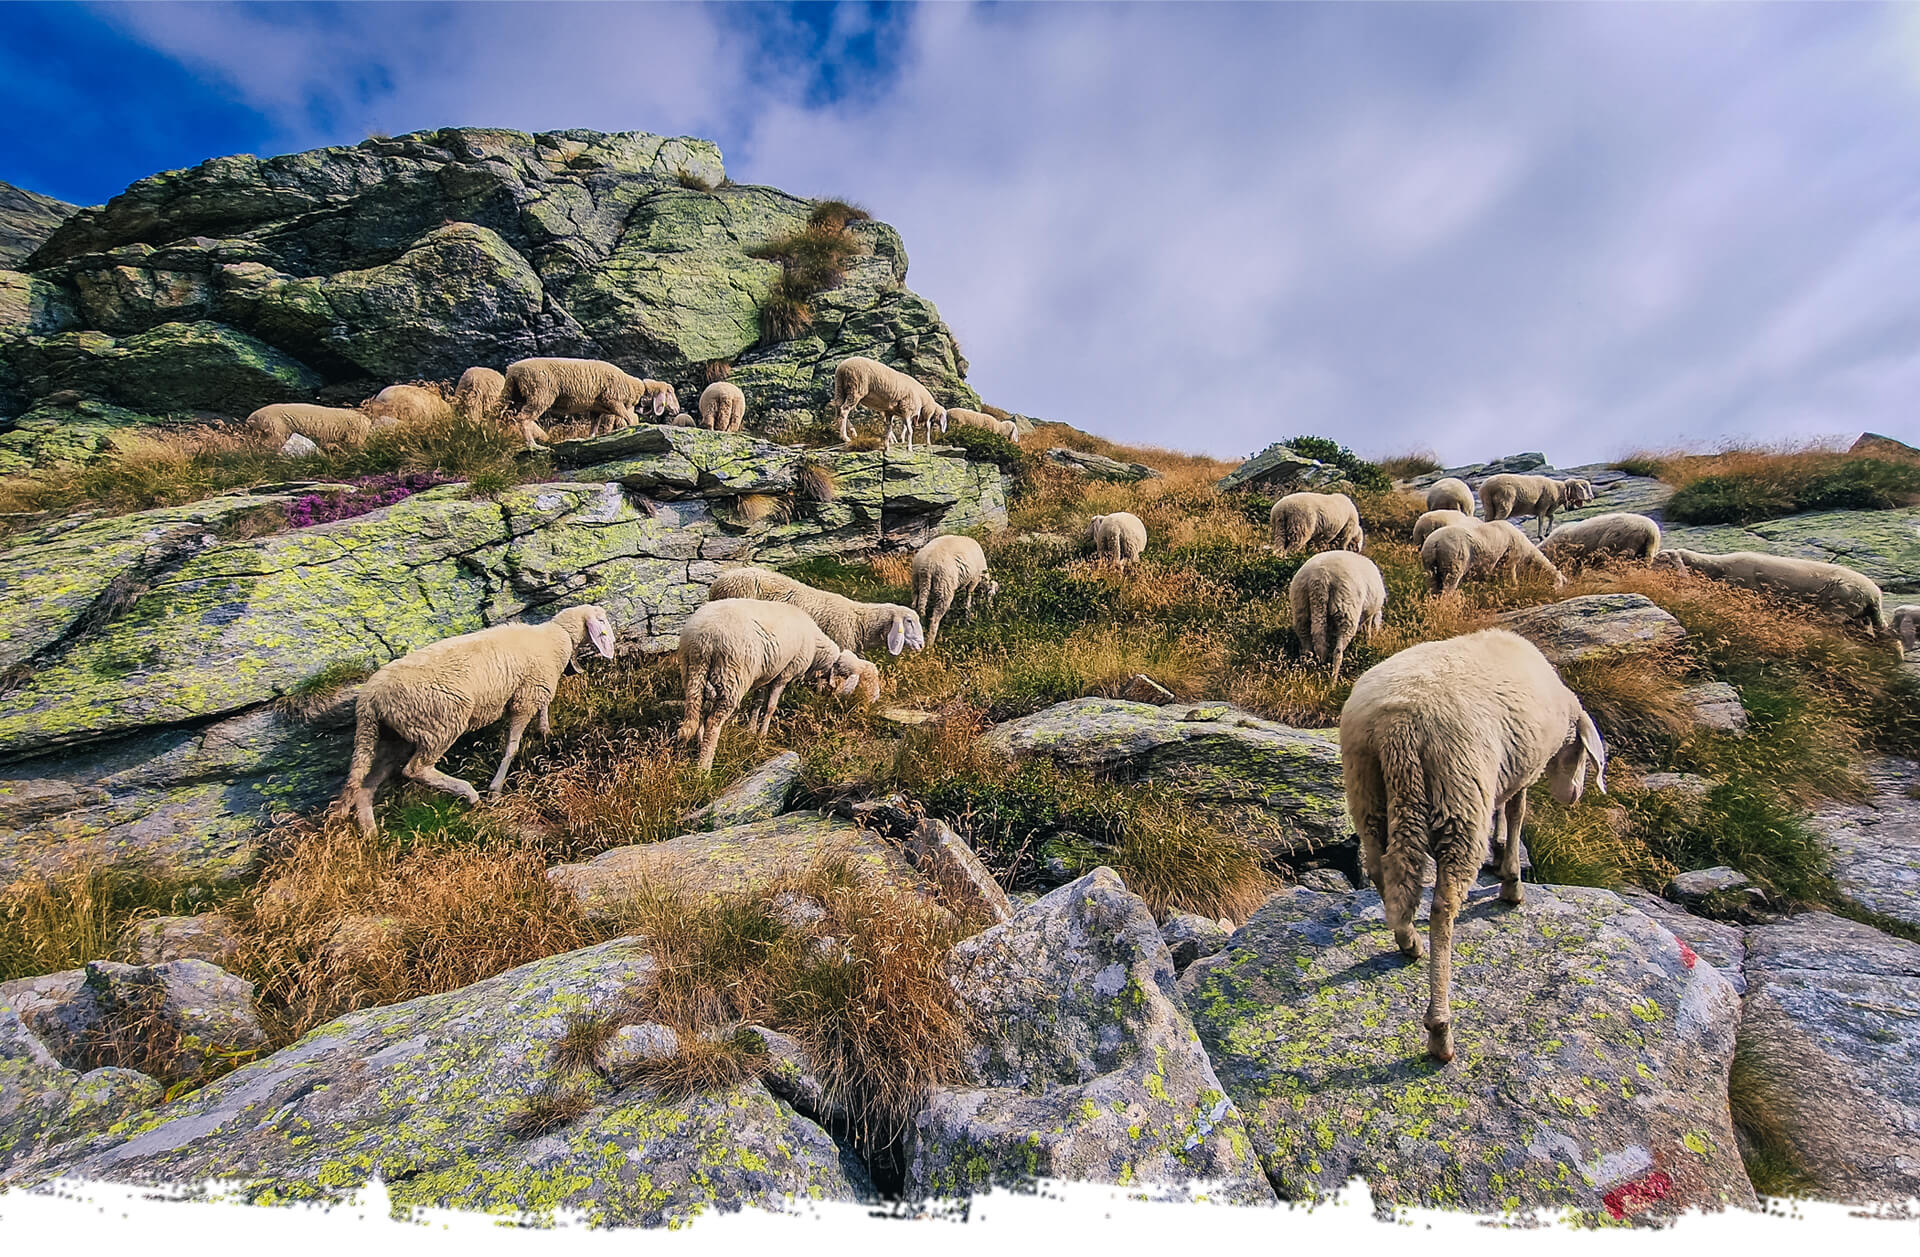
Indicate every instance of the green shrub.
{"type": "Point", "coordinates": [990, 447]}
{"type": "Point", "coordinates": [1362, 474]}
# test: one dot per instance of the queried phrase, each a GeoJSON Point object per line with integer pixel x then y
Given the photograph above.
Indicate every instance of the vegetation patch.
{"type": "Point", "coordinates": [812, 260]}
{"type": "Point", "coordinates": [1744, 485]}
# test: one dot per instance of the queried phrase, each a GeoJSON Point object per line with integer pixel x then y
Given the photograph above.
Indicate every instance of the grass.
{"type": "Point", "coordinates": [65, 918]}
{"type": "Point", "coordinates": [1411, 463]}
{"type": "Point", "coordinates": [1743, 485]}
{"type": "Point", "coordinates": [812, 260]}
{"type": "Point", "coordinates": [1772, 1164]}
{"type": "Point", "coordinates": [317, 694]}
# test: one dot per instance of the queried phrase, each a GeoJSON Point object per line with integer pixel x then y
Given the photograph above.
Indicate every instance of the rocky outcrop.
{"type": "Point", "coordinates": [1876, 842]}
{"type": "Point", "coordinates": [1595, 626]}
{"type": "Point", "coordinates": [1100, 467]}
{"type": "Point", "coordinates": [1085, 1066]}
{"type": "Point", "coordinates": [180, 1017]}
{"type": "Point", "coordinates": [1592, 1070]}
{"type": "Point", "coordinates": [1883, 546]}
{"type": "Point", "coordinates": [43, 1104]}
{"type": "Point", "coordinates": [486, 1121]}
{"type": "Point", "coordinates": [1277, 469]}
{"type": "Point", "coordinates": [26, 220]}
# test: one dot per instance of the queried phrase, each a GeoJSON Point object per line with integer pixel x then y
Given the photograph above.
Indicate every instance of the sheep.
{"type": "Point", "coordinates": [1333, 596]}
{"type": "Point", "coordinates": [1302, 519]}
{"type": "Point", "coordinates": [407, 403]}
{"type": "Point", "coordinates": [1438, 745]}
{"type": "Point", "coordinates": [1841, 592]}
{"type": "Point", "coordinates": [323, 425]}
{"type": "Point", "coordinates": [1119, 536]}
{"type": "Point", "coordinates": [852, 625]}
{"type": "Point", "coordinates": [728, 649]}
{"type": "Point", "coordinates": [894, 395]}
{"type": "Point", "coordinates": [1617, 534]}
{"type": "Point", "coordinates": [1905, 621]}
{"type": "Point", "coordinates": [944, 567]}
{"type": "Point", "coordinates": [1507, 494]}
{"type": "Point", "coordinates": [978, 419]}
{"type": "Point", "coordinates": [1424, 526]}
{"type": "Point", "coordinates": [479, 395]}
{"type": "Point", "coordinates": [723, 407]}
{"type": "Point", "coordinates": [579, 386]}
{"type": "Point", "coordinates": [414, 708]}
{"type": "Point", "coordinates": [1481, 549]}
{"type": "Point", "coordinates": [1451, 493]}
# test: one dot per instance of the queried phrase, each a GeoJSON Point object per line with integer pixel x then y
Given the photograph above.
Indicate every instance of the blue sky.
{"type": "Point", "coordinates": [1474, 228]}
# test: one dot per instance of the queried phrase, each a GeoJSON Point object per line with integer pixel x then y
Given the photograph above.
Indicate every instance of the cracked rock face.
{"type": "Point", "coordinates": [1876, 842]}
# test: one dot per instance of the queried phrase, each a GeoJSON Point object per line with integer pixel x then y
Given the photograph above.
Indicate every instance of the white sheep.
{"type": "Point", "coordinates": [1425, 525]}
{"type": "Point", "coordinates": [894, 395]}
{"type": "Point", "coordinates": [1452, 494]}
{"type": "Point", "coordinates": [723, 407]}
{"type": "Point", "coordinates": [1438, 745]}
{"type": "Point", "coordinates": [323, 425]}
{"type": "Point", "coordinates": [1905, 622]}
{"type": "Point", "coordinates": [1841, 592]}
{"type": "Point", "coordinates": [600, 391]}
{"type": "Point", "coordinates": [1507, 494]}
{"type": "Point", "coordinates": [480, 394]}
{"type": "Point", "coordinates": [1482, 550]}
{"type": "Point", "coordinates": [1303, 520]}
{"type": "Point", "coordinates": [1333, 596]}
{"type": "Point", "coordinates": [1615, 535]}
{"type": "Point", "coordinates": [852, 625]}
{"type": "Point", "coordinates": [407, 403]}
{"type": "Point", "coordinates": [413, 709]}
{"type": "Point", "coordinates": [1120, 536]}
{"type": "Point", "coordinates": [944, 568]}
{"type": "Point", "coordinates": [728, 649]}
{"type": "Point", "coordinates": [980, 419]}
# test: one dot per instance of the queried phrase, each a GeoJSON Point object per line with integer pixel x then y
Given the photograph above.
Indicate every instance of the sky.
{"type": "Point", "coordinates": [1470, 229]}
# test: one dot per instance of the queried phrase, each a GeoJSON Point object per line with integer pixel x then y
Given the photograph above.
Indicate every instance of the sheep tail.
{"type": "Point", "coordinates": [1403, 770]}
{"type": "Point", "coordinates": [694, 680]}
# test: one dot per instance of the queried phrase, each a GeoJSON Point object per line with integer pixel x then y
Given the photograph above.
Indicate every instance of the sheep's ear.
{"type": "Point", "coordinates": [660, 403]}
{"type": "Point", "coordinates": [849, 685]}
{"type": "Point", "coordinates": [600, 633]}
{"type": "Point", "coordinates": [1590, 743]}
{"type": "Point", "coordinates": [897, 635]}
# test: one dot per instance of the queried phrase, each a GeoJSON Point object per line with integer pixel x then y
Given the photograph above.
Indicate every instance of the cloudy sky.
{"type": "Point", "coordinates": [1470, 228]}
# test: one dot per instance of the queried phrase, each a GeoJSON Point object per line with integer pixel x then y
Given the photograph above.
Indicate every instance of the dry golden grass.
{"type": "Point", "coordinates": [59, 921]}
{"type": "Point", "coordinates": [1681, 467]}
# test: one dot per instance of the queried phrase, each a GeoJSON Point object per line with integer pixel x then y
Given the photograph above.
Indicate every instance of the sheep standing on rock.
{"type": "Point", "coordinates": [852, 625]}
{"type": "Point", "coordinates": [1482, 550]}
{"type": "Point", "coordinates": [1506, 494]}
{"type": "Point", "coordinates": [1424, 526]}
{"type": "Point", "coordinates": [323, 425]}
{"type": "Point", "coordinates": [1450, 494]}
{"type": "Point", "coordinates": [1333, 595]}
{"type": "Point", "coordinates": [1616, 535]}
{"type": "Point", "coordinates": [1905, 622]}
{"type": "Point", "coordinates": [980, 419]}
{"type": "Point", "coordinates": [728, 649]}
{"type": "Point", "coordinates": [412, 710]}
{"type": "Point", "coordinates": [894, 395]}
{"type": "Point", "coordinates": [723, 407]}
{"type": "Point", "coordinates": [583, 387]}
{"type": "Point", "coordinates": [1842, 593]}
{"type": "Point", "coordinates": [945, 567]}
{"type": "Point", "coordinates": [1438, 745]}
{"type": "Point", "coordinates": [407, 403]}
{"type": "Point", "coordinates": [1303, 520]}
{"type": "Point", "coordinates": [481, 394]}
{"type": "Point", "coordinates": [1120, 536]}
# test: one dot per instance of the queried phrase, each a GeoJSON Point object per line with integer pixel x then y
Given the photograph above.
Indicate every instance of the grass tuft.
{"type": "Point", "coordinates": [550, 1108]}
{"type": "Point", "coordinates": [318, 693]}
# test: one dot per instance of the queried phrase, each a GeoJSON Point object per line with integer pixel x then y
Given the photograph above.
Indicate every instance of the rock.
{"type": "Point", "coordinates": [1595, 626]}
{"type": "Point", "coordinates": [908, 716]}
{"type": "Point", "coordinates": [1189, 937]}
{"type": "Point", "coordinates": [1720, 944]}
{"type": "Point", "coordinates": [1716, 705]}
{"type": "Point", "coordinates": [1288, 778]}
{"type": "Point", "coordinates": [760, 795]}
{"type": "Point", "coordinates": [790, 1074]}
{"type": "Point", "coordinates": [298, 446]}
{"type": "Point", "coordinates": [1144, 689]}
{"type": "Point", "coordinates": [315, 1121]}
{"type": "Point", "coordinates": [966, 886]}
{"type": "Point", "coordinates": [26, 220]}
{"type": "Point", "coordinates": [1700, 884]}
{"type": "Point", "coordinates": [43, 1104]}
{"type": "Point", "coordinates": [179, 1018]}
{"type": "Point", "coordinates": [1331, 881]}
{"type": "Point", "coordinates": [209, 936]}
{"type": "Point", "coordinates": [1593, 1053]}
{"type": "Point", "coordinates": [361, 936]}
{"type": "Point", "coordinates": [1884, 546]}
{"type": "Point", "coordinates": [1528, 464]}
{"type": "Point", "coordinates": [1086, 1066]}
{"type": "Point", "coordinates": [1678, 783]}
{"type": "Point", "coordinates": [1869, 443]}
{"type": "Point", "coordinates": [1876, 842]}
{"type": "Point", "coordinates": [1832, 1037]}
{"type": "Point", "coordinates": [797, 911]}
{"type": "Point", "coordinates": [1278, 469]}
{"type": "Point", "coordinates": [636, 1045]}
{"type": "Point", "coordinates": [1100, 467]}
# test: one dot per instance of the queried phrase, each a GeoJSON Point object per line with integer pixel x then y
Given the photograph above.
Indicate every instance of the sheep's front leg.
{"type": "Point", "coordinates": [774, 690]}
{"type": "Point", "coordinates": [546, 726]}
{"type": "Point", "coordinates": [516, 727]}
{"type": "Point", "coordinates": [1513, 816]}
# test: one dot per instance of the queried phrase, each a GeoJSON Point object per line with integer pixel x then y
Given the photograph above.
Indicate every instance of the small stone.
{"type": "Point", "coordinates": [298, 446]}
{"type": "Point", "coordinates": [1716, 705]}
{"type": "Point", "coordinates": [208, 936]}
{"type": "Point", "coordinates": [945, 859]}
{"type": "Point", "coordinates": [909, 716]}
{"type": "Point", "coordinates": [363, 935]}
{"type": "Point", "coordinates": [1679, 783]}
{"type": "Point", "coordinates": [797, 911]}
{"type": "Point", "coordinates": [1700, 883]}
{"type": "Point", "coordinates": [1189, 937]}
{"type": "Point", "coordinates": [760, 795]}
{"type": "Point", "coordinates": [638, 1044]}
{"type": "Point", "coordinates": [1332, 881]}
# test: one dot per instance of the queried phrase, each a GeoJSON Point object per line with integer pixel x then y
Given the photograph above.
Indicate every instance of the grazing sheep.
{"type": "Point", "coordinates": [407, 403]}
{"type": "Point", "coordinates": [1507, 494]}
{"type": "Point", "coordinates": [1905, 622]}
{"type": "Point", "coordinates": [323, 425]}
{"type": "Point", "coordinates": [1841, 592]}
{"type": "Point", "coordinates": [979, 419]}
{"type": "Point", "coordinates": [480, 394]}
{"type": "Point", "coordinates": [1425, 525]}
{"type": "Point", "coordinates": [1119, 536]}
{"type": "Point", "coordinates": [723, 407]}
{"type": "Point", "coordinates": [852, 625]}
{"type": "Point", "coordinates": [728, 649]}
{"type": "Point", "coordinates": [1333, 595]}
{"type": "Point", "coordinates": [894, 395]}
{"type": "Point", "coordinates": [661, 399]}
{"type": "Point", "coordinates": [1303, 520]}
{"type": "Point", "coordinates": [579, 386]}
{"type": "Point", "coordinates": [1616, 535]}
{"type": "Point", "coordinates": [944, 567]}
{"type": "Point", "coordinates": [1482, 550]}
{"type": "Point", "coordinates": [1450, 494]}
{"type": "Point", "coordinates": [1438, 745]}
{"type": "Point", "coordinates": [413, 709]}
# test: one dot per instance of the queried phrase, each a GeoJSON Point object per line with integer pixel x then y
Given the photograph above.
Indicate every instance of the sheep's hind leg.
{"type": "Point", "coordinates": [710, 733]}
{"type": "Point", "coordinates": [774, 691]}
{"type": "Point", "coordinates": [388, 754]}
{"type": "Point", "coordinates": [421, 769]}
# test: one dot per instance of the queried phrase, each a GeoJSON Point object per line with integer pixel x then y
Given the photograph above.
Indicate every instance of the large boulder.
{"type": "Point", "coordinates": [1213, 752]}
{"type": "Point", "coordinates": [1100, 467]}
{"type": "Point", "coordinates": [26, 220]}
{"type": "Point", "coordinates": [180, 1018]}
{"type": "Point", "coordinates": [1277, 469]}
{"type": "Point", "coordinates": [1595, 626]}
{"type": "Point", "coordinates": [1876, 841]}
{"type": "Point", "coordinates": [43, 1104]}
{"type": "Point", "coordinates": [437, 1097]}
{"type": "Point", "coordinates": [1593, 1054]}
{"type": "Point", "coordinates": [1086, 1066]}
{"type": "Point", "coordinates": [1832, 1043]}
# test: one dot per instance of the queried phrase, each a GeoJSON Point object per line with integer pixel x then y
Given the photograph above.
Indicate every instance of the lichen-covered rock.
{"type": "Point", "coordinates": [1715, 705]}
{"type": "Point", "coordinates": [1883, 546]}
{"type": "Point", "coordinates": [1100, 467]}
{"type": "Point", "coordinates": [26, 220]}
{"type": "Point", "coordinates": [1531, 463]}
{"type": "Point", "coordinates": [1085, 1066]}
{"type": "Point", "coordinates": [760, 795]}
{"type": "Point", "coordinates": [1698, 884]}
{"type": "Point", "coordinates": [430, 1096]}
{"type": "Point", "coordinates": [201, 365]}
{"type": "Point", "coordinates": [187, 1015]}
{"type": "Point", "coordinates": [1595, 626]}
{"type": "Point", "coordinates": [1720, 944]}
{"type": "Point", "coordinates": [1832, 1034]}
{"type": "Point", "coordinates": [44, 1104]}
{"type": "Point", "coordinates": [1213, 752]}
{"type": "Point", "coordinates": [208, 936]}
{"type": "Point", "coordinates": [1876, 842]}
{"type": "Point", "coordinates": [1593, 1051]}
{"type": "Point", "coordinates": [965, 884]}
{"type": "Point", "coordinates": [1278, 469]}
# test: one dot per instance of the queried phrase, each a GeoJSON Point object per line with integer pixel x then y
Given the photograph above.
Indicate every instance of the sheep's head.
{"type": "Point", "coordinates": [988, 589]}
{"type": "Point", "coordinates": [905, 631]}
{"type": "Point", "coordinates": [1579, 492]}
{"type": "Point", "coordinates": [1669, 559]}
{"type": "Point", "coordinates": [383, 421]}
{"type": "Point", "coordinates": [1567, 770]}
{"type": "Point", "coordinates": [850, 672]}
